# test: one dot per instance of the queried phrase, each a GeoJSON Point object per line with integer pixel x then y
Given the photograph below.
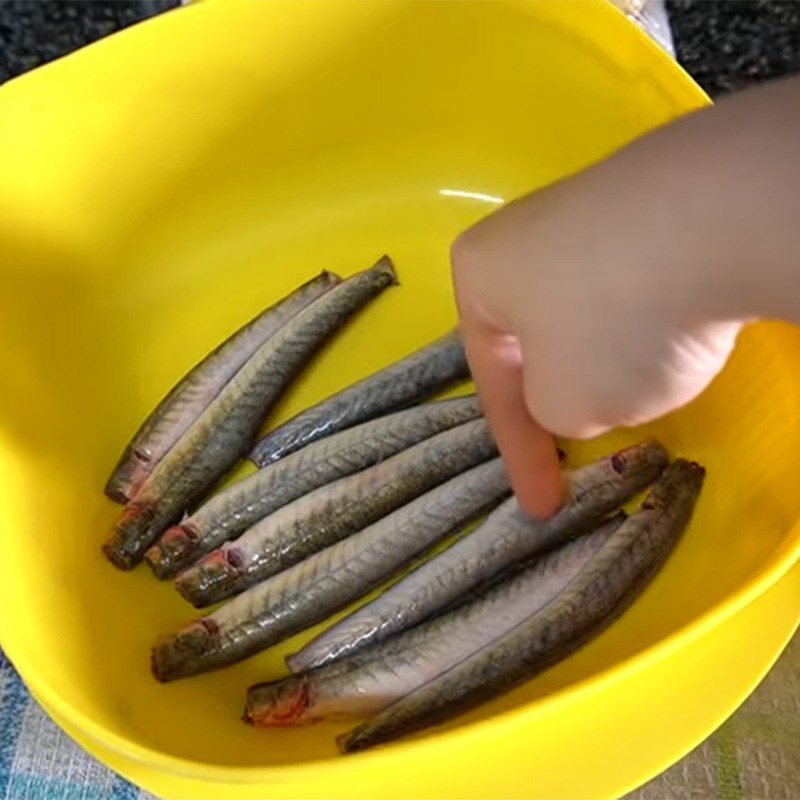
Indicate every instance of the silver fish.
{"type": "Point", "coordinates": [232, 632]}
{"type": "Point", "coordinates": [504, 539]}
{"type": "Point", "coordinates": [193, 393]}
{"type": "Point", "coordinates": [327, 581]}
{"type": "Point", "coordinates": [599, 594]}
{"type": "Point", "coordinates": [407, 381]}
{"type": "Point", "coordinates": [374, 678]}
{"type": "Point", "coordinates": [235, 509]}
{"type": "Point", "coordinates": [332, 512]}
{"type": "Point", "coordinates": [225, 431]}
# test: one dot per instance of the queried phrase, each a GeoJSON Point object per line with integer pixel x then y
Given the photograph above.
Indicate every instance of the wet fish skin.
{"type": "Point", "coordinates": [327, 581]}
{"type": "Point", "coordinates": [235, 509]}
{"type": "Point", "coordinates": [330, 513]}
{"type": "Point", "coordinates": [597, 596]}
{"type": "Point", "coordinates": [372, 679]}
{"type": "Point", "coordinates": [192, 394]}
{"type": "Point", "coordinates": [225, 431]}
{"type": "Point", "coordinates": [505, 538]}
{"type": "Point", "coordinates": [232, 632]}
{"type": "Point", "coordinates": [409, 380]}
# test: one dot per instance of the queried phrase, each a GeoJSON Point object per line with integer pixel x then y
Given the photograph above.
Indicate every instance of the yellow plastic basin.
{"type": "Point", "coordinates": [161, 186]}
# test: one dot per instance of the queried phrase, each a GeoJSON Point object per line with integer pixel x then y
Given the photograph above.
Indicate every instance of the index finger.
{"type": "Point", "coordinates": [528, 450]}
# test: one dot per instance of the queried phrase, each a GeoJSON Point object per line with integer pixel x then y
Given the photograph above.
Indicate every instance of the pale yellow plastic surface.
{"type": "Point", "coordinates": [160, 187]}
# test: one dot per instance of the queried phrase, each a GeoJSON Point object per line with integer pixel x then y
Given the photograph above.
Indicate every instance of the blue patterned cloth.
{"type": "Point", "coordinates": [40, 762]}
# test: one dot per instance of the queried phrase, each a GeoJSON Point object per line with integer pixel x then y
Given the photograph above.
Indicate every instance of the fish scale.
{"type": "Point", "coordinates": [332, 512]}
{"type": "Point", "coordinates": [370, 680]}
{"type": "Point", "coordinates": [409, 380]}
{"type": "Point", "coordinates": [238, 507]}
{"type": "Point", "coordinates": [224, 432]}
{"type": "Point", "coordinates": [506, 537]}
{"type": "Point", "coordinates": [235, 630]}
{"type": "Point", "coordinates": [598, 595]}
{"type": "Point", "coordinates": [317, 587]}
{"type": "Point", "coordinates": [193, 393]}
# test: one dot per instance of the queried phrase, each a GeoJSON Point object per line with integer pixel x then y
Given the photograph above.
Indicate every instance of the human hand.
{"type": "Point", "coordinates": [598, 302]}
